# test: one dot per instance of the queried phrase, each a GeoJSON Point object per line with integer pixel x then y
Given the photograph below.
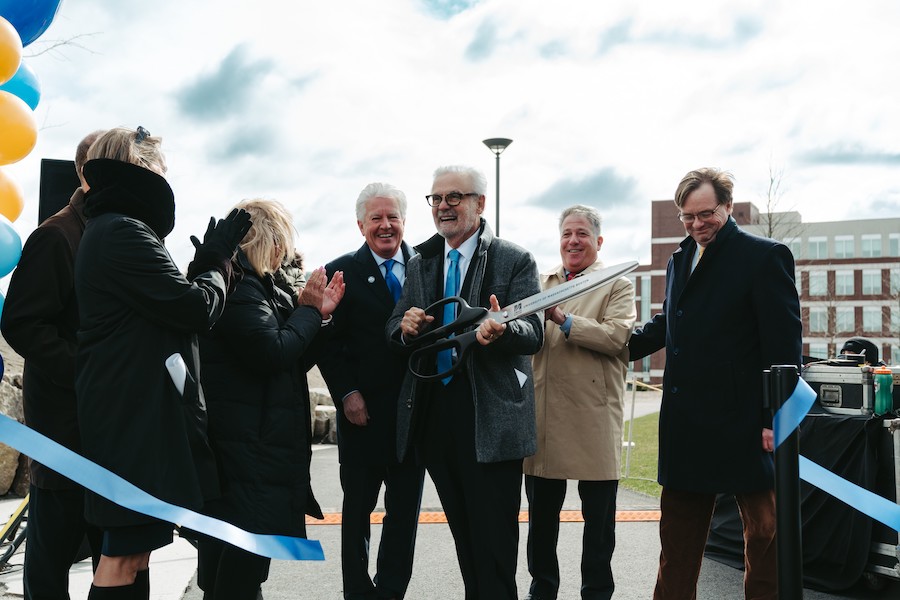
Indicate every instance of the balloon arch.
{"type": "Point", "coordinates": [21, 22]}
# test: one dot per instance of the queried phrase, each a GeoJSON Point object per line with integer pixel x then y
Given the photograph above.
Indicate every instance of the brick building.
{"type": "Point", "coordinates": [848, 278]}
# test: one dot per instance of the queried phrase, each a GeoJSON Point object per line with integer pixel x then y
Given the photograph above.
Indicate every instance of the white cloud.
{"type": "Point", "coordinates": [311, 101]}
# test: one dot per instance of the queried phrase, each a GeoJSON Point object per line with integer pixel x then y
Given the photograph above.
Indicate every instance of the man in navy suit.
{"type": "Point", "coordinates": [731, 311]}
{"type": "Point", "coordinates": [363, 375]}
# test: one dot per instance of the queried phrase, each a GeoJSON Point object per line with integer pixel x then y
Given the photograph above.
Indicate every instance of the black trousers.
{"type": "Point", "coordinates": [481, 500]}
{"type": "Point", "coordinates": [598, 506]}
{"type": "Point", "coordinates": [228, 572]}
{"type": "Point", "coordinates": [402, 500]}
{"type": "Point", "coordinates": [56, 529]}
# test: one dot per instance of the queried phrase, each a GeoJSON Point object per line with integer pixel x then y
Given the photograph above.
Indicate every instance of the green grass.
{"type": "Point", "coordinates": [642, 466]}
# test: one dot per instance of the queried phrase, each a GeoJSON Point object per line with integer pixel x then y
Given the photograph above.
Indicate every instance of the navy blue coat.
{"type": "Point", "coordinates": [721, 326]}
{"type": "Point", "coordinates": [359, 357]}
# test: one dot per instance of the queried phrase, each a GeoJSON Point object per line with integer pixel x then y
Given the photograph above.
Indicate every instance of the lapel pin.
{"type": "Point", "coordinates": [371, 279]}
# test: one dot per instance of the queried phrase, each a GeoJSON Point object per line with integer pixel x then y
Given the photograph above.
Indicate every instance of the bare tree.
{"type": "Point", "coordinates": [777, 222]}
{"type": "Point", "coordinates": [53, 46]}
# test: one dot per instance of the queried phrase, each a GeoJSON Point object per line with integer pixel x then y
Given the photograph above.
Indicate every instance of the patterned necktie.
{"type": "Point", "coordinates": [699, 255]}
{"type": "Point", "coordinates": [571, 276]}
{"type": "Point", "coordinates": [451, 288]}
{"type": "Point", "coordinates": [392, 282]}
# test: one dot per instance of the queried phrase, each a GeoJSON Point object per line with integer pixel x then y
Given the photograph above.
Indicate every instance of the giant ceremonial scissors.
{"type": "Point", "coordinates": [452, 336]}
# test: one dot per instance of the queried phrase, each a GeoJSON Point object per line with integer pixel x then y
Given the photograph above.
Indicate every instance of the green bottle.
{"type": "Point", "coordinates": [884, 383]}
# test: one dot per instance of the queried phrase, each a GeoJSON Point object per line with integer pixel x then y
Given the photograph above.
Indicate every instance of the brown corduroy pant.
{"type": "Point", "coordinates": [684, 527]}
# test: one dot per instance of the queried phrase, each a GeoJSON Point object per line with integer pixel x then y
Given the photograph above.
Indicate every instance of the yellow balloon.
{"type": "Point", "coordinates": [11, 198]}
{"type": "Point", "coordinates": [10, 50]}
{"type": "Point", "coordinates": [18, 128]}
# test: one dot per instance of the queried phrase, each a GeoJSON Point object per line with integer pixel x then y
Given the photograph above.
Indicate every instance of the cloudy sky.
{"type": "Point", "coordinates": [608, 103]}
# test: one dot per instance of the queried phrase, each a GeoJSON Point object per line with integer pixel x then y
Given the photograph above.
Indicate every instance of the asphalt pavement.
{"type": "Point", "coordinates": [436, 573]}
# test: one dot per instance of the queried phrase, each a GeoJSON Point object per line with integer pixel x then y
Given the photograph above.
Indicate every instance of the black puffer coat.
{"type": "Point", "coordinates": [254, 374]}
{"type": "Point", "coordinates": [136, 309]}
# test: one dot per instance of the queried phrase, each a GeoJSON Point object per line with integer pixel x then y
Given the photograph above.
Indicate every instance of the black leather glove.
{"type": "Point", "coordinates": [219, 243]}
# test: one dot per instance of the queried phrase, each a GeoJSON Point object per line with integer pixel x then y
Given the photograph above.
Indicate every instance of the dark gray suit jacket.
{"type": "Point", "coordinates": [504, 409]}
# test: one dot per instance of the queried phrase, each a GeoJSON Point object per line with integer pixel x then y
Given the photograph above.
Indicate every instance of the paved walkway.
{"type": "Point", "coordinates": [436, 574]}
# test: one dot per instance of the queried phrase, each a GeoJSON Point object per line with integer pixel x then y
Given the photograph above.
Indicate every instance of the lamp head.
{"type": "Point", "coordinates": [497, 145]}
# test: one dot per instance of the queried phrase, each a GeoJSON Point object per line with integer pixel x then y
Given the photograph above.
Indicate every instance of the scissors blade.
{"type": "Point", "coordinates": [566, 291]}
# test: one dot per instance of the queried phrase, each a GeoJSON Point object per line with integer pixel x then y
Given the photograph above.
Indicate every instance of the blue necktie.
{"type": "Point", "coordinates": [451, 288]}
{"type": "Point", "coordinates": [392, 282]}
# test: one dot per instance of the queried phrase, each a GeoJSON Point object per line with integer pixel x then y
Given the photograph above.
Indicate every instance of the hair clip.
{"type": "Point", "coordinates": [142, 134]}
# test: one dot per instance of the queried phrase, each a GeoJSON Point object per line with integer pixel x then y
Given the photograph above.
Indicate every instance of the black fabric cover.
{"type": "Point", "coordinates": [835, 537]}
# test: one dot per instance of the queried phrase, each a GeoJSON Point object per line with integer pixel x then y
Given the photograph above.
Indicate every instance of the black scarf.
{"type": "Point", "coordinates": [130, 190]}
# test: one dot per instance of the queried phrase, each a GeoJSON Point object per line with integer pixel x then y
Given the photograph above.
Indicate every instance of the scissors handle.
{"type": "Point", "coordinates": [466, 316]}
{"type": "Point", "coordinates": [427, 355]}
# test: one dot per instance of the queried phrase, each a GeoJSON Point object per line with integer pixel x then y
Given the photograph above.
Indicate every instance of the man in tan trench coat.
{"type": "Point", "coordinates": [579, 380]}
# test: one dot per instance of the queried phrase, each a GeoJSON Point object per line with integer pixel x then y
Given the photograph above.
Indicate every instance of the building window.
{"type": "Point", "coordinates": [871, 282]}
{"type": "Point", "coordinates": [818, 283]}
{"type": "Point", "coordinates": [872, 319]}
{"type": "Point", "coordinates": [894, 358]}
{"type": "Point", "coordinates": [818, 319]}
{"type": "Point", "coordinates": [818, 351]}
{"type": "Point", "coordinates": [645, 298]}
{"type": "Point", "coordinates": [845, 319]}
{"type": "Point", "coordinates": [843, 246]}
{"type": "Point", "coordinates": [894, 244]}
{"type": "Point", "coordinates": [895, 282]}
{"type": "Point", "coordinates": [895, 322]}
{"type": "Point", "coordinates": [843, 283]}
{"type": "Point", "coordinates": [818, 247]}
{"type": "Point", "coordinates": [795, 245]}
{"type": "Point", "coordinates": [871, 245]}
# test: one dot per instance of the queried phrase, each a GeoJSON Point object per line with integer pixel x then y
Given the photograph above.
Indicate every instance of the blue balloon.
{"type": "Point", "coordinates": [31, 18]}
{"type": "Point", "coordinates": [10, 247]}
{"type": "Point", "coordinates": [25, 85]}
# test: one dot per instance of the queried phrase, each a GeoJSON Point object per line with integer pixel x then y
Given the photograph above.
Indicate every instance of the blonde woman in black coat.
{"type": "Point", "coordinates": [136, 309]}
{"type": "Point", "coordinates": [254, 374]}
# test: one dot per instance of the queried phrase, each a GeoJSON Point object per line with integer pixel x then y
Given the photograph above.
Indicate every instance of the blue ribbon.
{"type": "Point", "coordinates": [112, 487]}
{"type": "Point", "coordinates": [792, 412]}
{"type": "Point", "coordinates": [786, 420]}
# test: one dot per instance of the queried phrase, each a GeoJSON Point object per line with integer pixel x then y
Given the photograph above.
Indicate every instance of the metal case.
{"type": "Point", "coordinates": [843, 390]}
{"type": "Point", "coordinates": [884, 552]}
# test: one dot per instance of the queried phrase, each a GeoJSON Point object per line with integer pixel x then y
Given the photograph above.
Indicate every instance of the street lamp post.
{"type": "Point", "coordinates": [497, 146]}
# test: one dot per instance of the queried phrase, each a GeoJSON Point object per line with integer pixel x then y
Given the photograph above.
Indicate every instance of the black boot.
{"type": "Point", "coordinates": [139, 590]}
{"type": "Point", "coordinates": [142, 584]}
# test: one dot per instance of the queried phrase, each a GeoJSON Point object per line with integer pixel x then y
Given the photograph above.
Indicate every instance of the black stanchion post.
{"type": "Point", "coordinates": [780, 384]}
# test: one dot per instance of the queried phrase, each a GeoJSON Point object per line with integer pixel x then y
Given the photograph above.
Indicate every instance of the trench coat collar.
{"type": "Point", "coordinates": [560, 271]}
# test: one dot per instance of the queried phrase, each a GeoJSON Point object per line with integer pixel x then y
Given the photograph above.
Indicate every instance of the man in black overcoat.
{"type": "Point", "coordinates": [364, 375]}
{"type": "Point", "coordinates": [731, 311]}
{"type": "Point", "coordinates": [40, 319]}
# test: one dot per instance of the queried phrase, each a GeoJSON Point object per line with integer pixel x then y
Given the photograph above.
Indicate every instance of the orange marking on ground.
{"type": "Point", "coordinates": [566, 516]}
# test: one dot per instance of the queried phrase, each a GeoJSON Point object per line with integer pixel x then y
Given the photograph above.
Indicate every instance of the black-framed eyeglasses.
{"type": "Point", "coordinates": [703, 215]}
{"type": "Point", "coordinates": [453, 198]}
{"type": "Point", "coordinates": [141, 135]}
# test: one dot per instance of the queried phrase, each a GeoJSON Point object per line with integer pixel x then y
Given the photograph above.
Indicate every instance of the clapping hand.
{"type": "Point", "coordinates": [219, 244]}
{"type": "Point", "coordinates": [321, 294]}
{"type": "Point", "coordinates": [334, 291]}
{"type": "Point", "coordinates": [223, 237]}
